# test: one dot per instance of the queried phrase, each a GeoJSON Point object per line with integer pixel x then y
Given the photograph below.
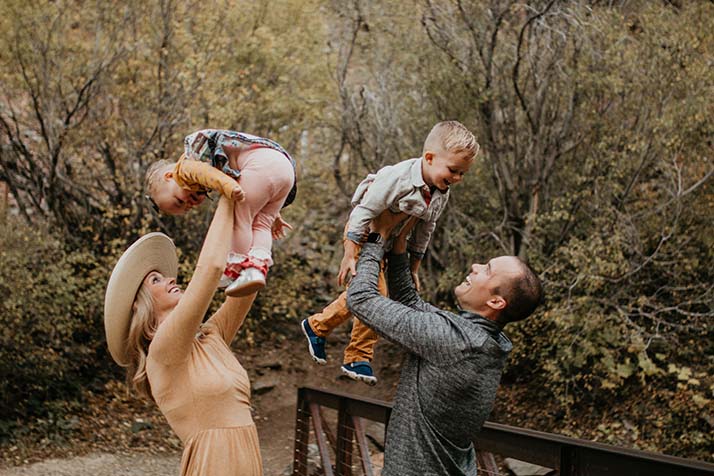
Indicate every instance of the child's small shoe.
{"type": "Point", "coordinates": [233, 269]}
{"type": "Point", "coordinates": [250, 280]}
{"type": "Point", "coordinates": [361, 371]}
{"type": "Point", "coordinates": [315, 343]}
{"type": "Point", "coordinates": [226, 279]}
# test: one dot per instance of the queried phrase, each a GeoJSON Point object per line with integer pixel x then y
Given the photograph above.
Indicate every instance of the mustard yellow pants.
{"type": "Point", "coordinates": [362, 340]}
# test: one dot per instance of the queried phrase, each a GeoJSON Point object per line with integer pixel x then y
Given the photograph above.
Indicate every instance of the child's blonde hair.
{"type": "Point", "coordinates": [452, 136]}
{"type": "Point", "coordinates": [153, 174]}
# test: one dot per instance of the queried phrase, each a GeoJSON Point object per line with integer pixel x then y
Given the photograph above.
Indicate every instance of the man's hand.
{"type": "Point", "coordinates": [279, 228]}
{"type": "Point", "coordinates": [415, 278]}
{"type": "Point", "coordinates": [348, 266]}
{"type": "Point", "coordinates": [399, 246]}
{"type": "Point", "coordinates": [237, 195]}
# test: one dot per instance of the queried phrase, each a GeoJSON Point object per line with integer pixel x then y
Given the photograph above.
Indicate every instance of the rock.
{"type": "Point", "coordinates": [140, 425]}
{"type": "Point", "coordinates": [272, 364]}
{"type": "Point", "coordinates": [264, 385]}
{"type": "Point", "coordinates": [523, 468]}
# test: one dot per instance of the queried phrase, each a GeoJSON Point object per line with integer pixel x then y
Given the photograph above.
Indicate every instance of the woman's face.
{"type": "Point", "coordinates": [165, 293]}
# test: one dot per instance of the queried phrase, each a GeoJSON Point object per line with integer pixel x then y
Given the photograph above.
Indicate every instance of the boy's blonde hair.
{"type": "Point", "coordinates": [452, 136]}
{"type": "Point", "coordinates": [153, 174]}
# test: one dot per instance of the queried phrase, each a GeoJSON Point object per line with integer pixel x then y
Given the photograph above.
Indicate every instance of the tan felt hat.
{"type": "Point", "coordinates": [151, 252]}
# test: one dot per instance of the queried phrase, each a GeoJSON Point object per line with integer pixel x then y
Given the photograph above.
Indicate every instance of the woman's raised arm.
{"type": "Point", "coordinates": [174, 338]}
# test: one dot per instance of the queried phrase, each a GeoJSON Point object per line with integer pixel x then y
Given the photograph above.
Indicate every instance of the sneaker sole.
{"type": "Point", "coordinates": [248, 288]}
{"type": "Point", "coordinates": [372, 381]}
{"type": "Point", "coordinates": [309, 348]}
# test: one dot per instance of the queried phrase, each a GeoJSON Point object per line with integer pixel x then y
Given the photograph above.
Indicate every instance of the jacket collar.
{"type": "Point", "coordinates": [416, 175]}
{"type": "Point", "coordinates": [417, 179]}
{"type": "Point", "coordinates": [472, 316]}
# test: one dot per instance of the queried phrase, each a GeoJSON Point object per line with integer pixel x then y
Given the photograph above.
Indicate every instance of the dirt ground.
{"type": "Point", "coordinates": [110, 438]}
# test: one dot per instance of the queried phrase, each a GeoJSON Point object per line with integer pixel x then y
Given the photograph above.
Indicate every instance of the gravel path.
{"type": "Point", "coordinates": [101, 464]}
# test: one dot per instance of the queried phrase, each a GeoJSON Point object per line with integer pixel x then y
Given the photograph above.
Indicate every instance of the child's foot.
{"type": "Point", "coordinates": [315, 343]}
{"type": "Point", "coordinates": [361, 371]}
{"type": "Point", "coordinates": [250, 280]}
{"type": "Point", "coordinates": [225, 281]}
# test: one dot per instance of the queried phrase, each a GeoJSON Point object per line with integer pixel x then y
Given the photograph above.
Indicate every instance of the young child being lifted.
{"type": "Point", "coordinates": [245, 168]}
{"type": "Point", "coordinates": [418, 187]}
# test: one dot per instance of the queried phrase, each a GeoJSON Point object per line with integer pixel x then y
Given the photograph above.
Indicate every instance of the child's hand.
{"type": "Point", "coordinates": [279, 227]}
{"type": "Point", "coordinates": [348, 269]}
{"type": "Point", "coordinates": [237, 195]}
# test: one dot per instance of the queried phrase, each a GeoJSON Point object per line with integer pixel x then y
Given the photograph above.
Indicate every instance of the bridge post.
{"type": "Point", "coordinates": [302, 435]}
{"type": "Point", "coordinates": [345, 434]}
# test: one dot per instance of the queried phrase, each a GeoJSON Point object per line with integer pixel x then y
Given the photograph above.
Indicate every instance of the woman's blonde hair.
{"type": "Point", "coordinates": [141, 332]}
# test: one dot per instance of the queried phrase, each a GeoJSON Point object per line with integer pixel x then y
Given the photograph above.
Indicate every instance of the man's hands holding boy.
{"type": "Point", "coordinates": [348, 266]}
{"type": "Point", "coordinates": [385, 223]}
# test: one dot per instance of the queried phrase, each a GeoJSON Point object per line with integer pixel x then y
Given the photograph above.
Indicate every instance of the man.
{"type": "Point", "coordinates": [449, 380]}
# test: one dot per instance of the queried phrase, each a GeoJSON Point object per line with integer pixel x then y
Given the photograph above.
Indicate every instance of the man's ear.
{"type": "Point", "coordinates": [168, 175]}
{"type": "Point", "coordinates": [429, 157]}
{"type": "Point", "coordinates": [497, 303]}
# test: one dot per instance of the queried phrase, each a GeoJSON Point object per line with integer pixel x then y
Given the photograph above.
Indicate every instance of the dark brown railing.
{"type": "Point", "coordinates": [567, 456]}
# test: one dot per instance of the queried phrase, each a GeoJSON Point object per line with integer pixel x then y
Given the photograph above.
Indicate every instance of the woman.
{"type": "Point", "coordinates": [186, 367]}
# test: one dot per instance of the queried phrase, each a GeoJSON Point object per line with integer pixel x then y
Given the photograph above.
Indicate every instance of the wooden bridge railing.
{"type": "Point", "coordinates": [568, 456]}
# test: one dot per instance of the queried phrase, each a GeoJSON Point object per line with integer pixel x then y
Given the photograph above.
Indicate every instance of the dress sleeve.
{"type": "Point", "coordinates": [174, 337]}
{"type": "Point", "coordinates": [230, 316]}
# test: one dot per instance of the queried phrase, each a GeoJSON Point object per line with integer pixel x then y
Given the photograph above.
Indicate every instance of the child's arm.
{"type": "Point", "coordinates": [278, 230]}
{"type": "Point", "coordinates": [418, 243]}
{"type": "Point", "coordinates": [382, 190]}
{"type": "Point", "coordinates": [190, 172]}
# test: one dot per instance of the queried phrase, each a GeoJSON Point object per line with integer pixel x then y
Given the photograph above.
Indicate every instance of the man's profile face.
{"type": "Point", "coordinates": [478, 290]}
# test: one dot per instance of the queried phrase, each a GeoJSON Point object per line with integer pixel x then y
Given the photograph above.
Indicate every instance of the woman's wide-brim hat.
{"type": "Point", "coordinates": [151, 252]}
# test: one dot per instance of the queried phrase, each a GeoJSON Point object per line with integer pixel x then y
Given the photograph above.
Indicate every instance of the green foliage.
{"type": "Point", "coordinates": [596, 165]}
{"type": "Point", "coordinates": [50, 308]}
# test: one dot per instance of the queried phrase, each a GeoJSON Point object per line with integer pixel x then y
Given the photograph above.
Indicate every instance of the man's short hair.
{"type": "Point", "coordinates": [452, 136]}
{"type": "Point", "coordinates": [523, 295]}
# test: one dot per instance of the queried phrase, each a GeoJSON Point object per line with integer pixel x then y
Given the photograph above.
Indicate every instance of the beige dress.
{"type": "Point", "coordinates": [202, 389]}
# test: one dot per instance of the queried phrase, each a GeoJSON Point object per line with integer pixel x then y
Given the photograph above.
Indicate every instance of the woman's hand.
{"type": "Point", "coordinates": [279, 228]}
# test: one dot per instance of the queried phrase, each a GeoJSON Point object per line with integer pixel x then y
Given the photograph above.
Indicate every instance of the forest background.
{"type": "Point", "coordinates": [594, 119]}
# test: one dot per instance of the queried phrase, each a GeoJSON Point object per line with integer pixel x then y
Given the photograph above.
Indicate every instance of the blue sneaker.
{"type": "Point", "coordinates": [361, 371]}
{"type": "Point", "coordinates": [315, 343]}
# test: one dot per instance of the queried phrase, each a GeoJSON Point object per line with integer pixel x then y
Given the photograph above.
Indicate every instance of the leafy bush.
{"type": "Point", "coordinates": [50, 322]}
